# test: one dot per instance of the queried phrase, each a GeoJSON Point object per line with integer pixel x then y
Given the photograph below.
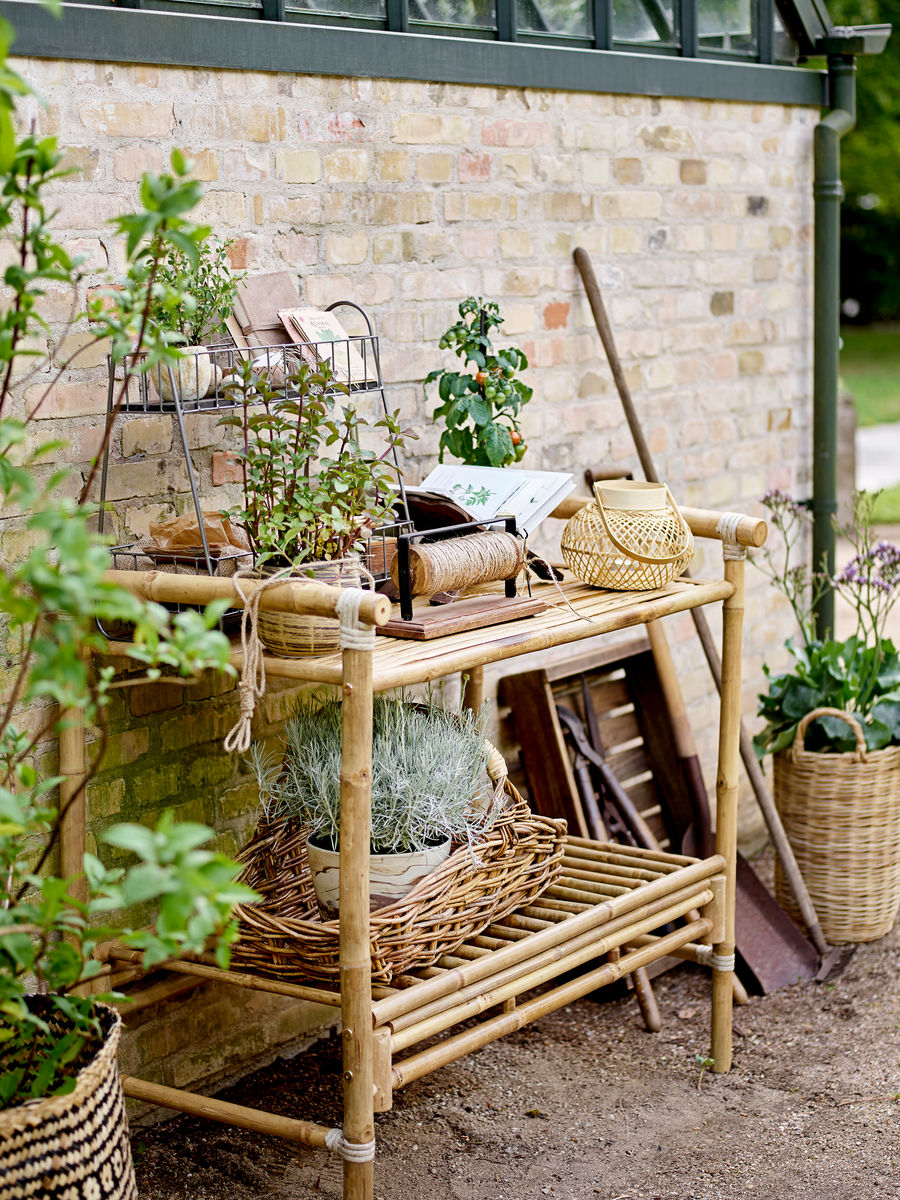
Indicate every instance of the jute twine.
{"type": "Point", "coordinates": [252, 684]}
{"type": "Point", "coordinates": [465, 562]}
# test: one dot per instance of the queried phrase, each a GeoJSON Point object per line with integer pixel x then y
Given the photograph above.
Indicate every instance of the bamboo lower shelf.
{"type": "Point", "coordinates": [613, 910]}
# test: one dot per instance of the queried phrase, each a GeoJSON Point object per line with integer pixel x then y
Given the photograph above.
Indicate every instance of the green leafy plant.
{"type": "Point", "coordinates": [312, 490]}
{"type": "Point", "coordinates": [194, 289]}
{"type": "Point", "coordinates": [428, 766]}
{"type": "Point", "coordinates": [481, 407]}
{"type": "Point", "coordinates": [860, 675]}
{"type": "Point", "coordinates": [49, 924]}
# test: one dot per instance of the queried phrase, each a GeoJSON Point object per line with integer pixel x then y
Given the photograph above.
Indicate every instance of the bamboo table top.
{"type": "Point", "coordinates": [397, 662]}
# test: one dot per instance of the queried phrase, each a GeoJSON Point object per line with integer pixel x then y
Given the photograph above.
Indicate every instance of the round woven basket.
{"type": "Point", "coordinates": [72, 1147]}
{"type": "Point", "coordinates": [841, 813]}
{"type": "Point", "coordinates": [627, 549]}
{"type": "Point", "coordinates": [302, 635]}
{"type": "Point", "coordinates": [283, 934]}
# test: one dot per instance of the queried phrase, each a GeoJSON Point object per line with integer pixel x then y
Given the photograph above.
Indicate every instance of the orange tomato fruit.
{"type": "Point", "coordinates": [515, 437]}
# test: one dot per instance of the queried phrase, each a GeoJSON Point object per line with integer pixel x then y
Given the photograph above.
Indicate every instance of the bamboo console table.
{"type": "Point", "coordinates": [606, 916]}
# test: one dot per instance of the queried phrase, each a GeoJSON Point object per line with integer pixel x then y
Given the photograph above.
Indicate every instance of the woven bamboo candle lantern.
{"type": "Point", "coordinates": [630, 538]}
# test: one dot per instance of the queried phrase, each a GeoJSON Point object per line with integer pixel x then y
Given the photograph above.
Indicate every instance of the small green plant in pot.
{"type": "Point", "coordinates": [312, 490]}
{"type": "Point", "coordinates": [429, 790]}
{"type": "Point", "coordinates": [833, 726]}
{"type": "Point", "coordinates": [191, 297]}
{"type": "Point", "coordinates": [480, 406]}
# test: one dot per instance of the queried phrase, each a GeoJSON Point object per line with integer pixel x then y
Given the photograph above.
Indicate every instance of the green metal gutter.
{"type": "Point", "coordinates": [99, 33]}
{"type": "Point", "coordinates": [841, 46]}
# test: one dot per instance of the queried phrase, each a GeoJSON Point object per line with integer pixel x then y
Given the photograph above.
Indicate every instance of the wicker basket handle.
{"type": "Point", "coordinates": [496, 764]}
{"type": "Point", "coordinates": [652, 560]}
{"type": "Point", "coordinates": [798, 748]}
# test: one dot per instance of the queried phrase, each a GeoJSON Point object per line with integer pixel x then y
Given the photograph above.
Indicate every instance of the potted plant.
{"type": "Point", "coordinates": [192, 296]}
{"type": "Point", "coordinates": [312, 490]}
{"type": "Point", "coordinates": [62, 1126]}
{"type": "Point", "coordinates": [833, 726]}
{"type": "Point", "coordinates": [429, 790]}
{"type": "Point", "coordinates": [480, 406]}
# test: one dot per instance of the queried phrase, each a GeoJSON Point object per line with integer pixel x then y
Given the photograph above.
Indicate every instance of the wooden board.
{"type": "Point", "coordinates": [460, 615]}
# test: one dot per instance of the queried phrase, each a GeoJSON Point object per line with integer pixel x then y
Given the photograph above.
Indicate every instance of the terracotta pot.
{"type": "Point", "coordinates": [391, 876]}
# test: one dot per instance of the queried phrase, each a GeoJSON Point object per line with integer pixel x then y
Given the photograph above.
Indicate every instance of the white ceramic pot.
{"type": "Point", "coordinates": [391, 876]}
{"type": "Point", "coordinates": [192, 376]}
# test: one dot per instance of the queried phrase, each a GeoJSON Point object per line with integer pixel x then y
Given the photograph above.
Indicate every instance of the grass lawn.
{"type": "Point", "coordinates": [870, 367]}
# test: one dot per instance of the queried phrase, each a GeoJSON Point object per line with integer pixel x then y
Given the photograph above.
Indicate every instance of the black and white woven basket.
{"type": "Point", "coordinates": [72, 1147]}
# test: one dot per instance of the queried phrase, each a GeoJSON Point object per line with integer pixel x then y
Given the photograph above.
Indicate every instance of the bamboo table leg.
{"type": "Point", "coordinates": [355, 962]}
{"type": "Point", "coordinates": [473, 688]}
{"type": "Point", "coordinates": [726, 800]}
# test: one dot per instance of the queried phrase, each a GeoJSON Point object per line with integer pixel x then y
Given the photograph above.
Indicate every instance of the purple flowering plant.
{"type": "Point", "coordinates": [860, 674]}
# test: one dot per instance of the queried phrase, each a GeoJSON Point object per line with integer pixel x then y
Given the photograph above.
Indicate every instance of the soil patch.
{"type": "Point", "coordinates": [586, 1104]}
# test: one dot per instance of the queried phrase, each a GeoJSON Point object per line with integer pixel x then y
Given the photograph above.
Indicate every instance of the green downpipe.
{"type": "Point", "coordinates": [828, 193]}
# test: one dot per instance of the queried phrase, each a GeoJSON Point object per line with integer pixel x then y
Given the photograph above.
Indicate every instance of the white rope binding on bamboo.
{"type": "Point", "coordinates": [721, 962]}
{"type": "Point", "coordinates": [360, 1152]}
{"type": "Point", "coordinates": [726, 528]}
{"type": "Point", "coordinates": [353, 633]}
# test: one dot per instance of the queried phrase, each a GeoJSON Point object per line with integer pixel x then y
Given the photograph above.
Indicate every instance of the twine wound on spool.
{"type": "Point", "coordinates": [460, 563]}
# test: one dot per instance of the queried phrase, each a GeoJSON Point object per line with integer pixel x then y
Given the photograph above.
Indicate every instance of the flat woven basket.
{"type": "Point", "coordinates": [631, 550]}
{"type": "Point", "coordinates": [71, 1147]}
{"type": "Point", "coordinates": [283, 934]}
{"type": "Point", "coordinates": [302, 635]}
{"type": "Point", "coordinates": [841, 813]}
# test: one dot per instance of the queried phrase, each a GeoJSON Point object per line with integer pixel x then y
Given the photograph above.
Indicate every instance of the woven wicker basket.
{"type": "Point", "coordinates": [71, 1147]}
{"type": "Point", "coordinates": [301, 635]}
{"type": "Point", "coordinates": [841, 813]}
{"type": "Point", "coordinates": [630, 548]}
{"type": "Point", "coordinates": [283, 935]}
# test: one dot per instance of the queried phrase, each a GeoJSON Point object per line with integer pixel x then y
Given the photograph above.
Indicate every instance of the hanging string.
{"type": "Point", "coordinates": [252, 684]}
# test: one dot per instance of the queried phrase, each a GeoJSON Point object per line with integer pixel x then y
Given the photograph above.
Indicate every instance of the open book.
{"type": "Point", "coordinates": [485, 492]}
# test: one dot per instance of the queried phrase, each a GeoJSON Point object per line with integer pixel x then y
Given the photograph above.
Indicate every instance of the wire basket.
{"type": "Point", "coordinates": [631, 537]}
{"type": "Point", "coordinates": [283, 934]}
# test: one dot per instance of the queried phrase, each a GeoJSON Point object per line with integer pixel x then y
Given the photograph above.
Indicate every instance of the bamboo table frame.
{"type": "Point", "coordinates": [610, 901]}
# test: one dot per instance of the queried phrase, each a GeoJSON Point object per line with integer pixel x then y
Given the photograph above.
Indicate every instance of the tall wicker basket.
{"type": "Point", "coordinates": [75, 1145]}
{"type": "Point", "coordinates": [841, 813]}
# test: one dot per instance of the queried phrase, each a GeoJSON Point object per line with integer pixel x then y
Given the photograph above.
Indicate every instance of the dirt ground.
{"type": "Point", "coordinates": [587, 1104]}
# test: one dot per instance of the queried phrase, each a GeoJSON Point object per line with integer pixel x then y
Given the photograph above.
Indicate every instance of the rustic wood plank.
{"type": "Point", "coordinates": [475, 612]}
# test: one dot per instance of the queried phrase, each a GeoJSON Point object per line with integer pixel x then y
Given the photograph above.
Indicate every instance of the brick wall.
{"type": "Point", "coordinates": [407, 197]}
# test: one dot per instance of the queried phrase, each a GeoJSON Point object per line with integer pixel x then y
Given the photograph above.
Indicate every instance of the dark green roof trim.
{"type": "Point", "coordinates": [101, 34]}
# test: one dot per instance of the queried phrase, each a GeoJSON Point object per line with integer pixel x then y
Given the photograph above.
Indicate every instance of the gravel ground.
{"type": "Point", "coordinates": [585, 1103]}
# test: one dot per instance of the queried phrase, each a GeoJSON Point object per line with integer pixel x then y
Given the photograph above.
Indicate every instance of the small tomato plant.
{"type": "Point", "coordinates": [481, 407]}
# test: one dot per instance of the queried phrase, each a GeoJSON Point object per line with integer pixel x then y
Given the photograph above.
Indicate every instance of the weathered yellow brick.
{"type": "Point", "coordinates": [84, 161]}
{"type": "Point", "coordinates": [125, 118]}
{"type": "Point", "coordinates": [346, 251]}
{"type": "Point", "coordinates": [481, 206]}
{"type": "Point", "coordinates": [766, 268]}
{"type": "Point", "coordinates": [298, 166]}
{"type": "Point", "coordinates": [626, 240]}
{"type": "Point", "coordinates": [146, 435]}
{"type": "Point", "coordinates": [723, 172]}
{"type": "Point", "coordinates": [751, 362]}
{"type": "Point", "coordinates": [515, 243]}
{"type": "Point", "coordinates": [692, 170]}
{"type": "Point", "coordinates": [453, 206]}
{"type": "Point", "coordinates": [435, 168]}
{"type": "Point", "coordinates": [780, 236]}
{"type": "Point", "coordinates": [387, 248]}
{"type": "Point", "coordinates": [595, 170]}
{"type": "Point", "coordinates": [661, 170]}
{"type": "Point", "coordinates": [66, 400]}
{"type": "Point", "coordinates": [393, 166]}
{"type": "Point", "coordinates": [632, 205]}
{"type": "Point", "coordinates": [723, 237]}
{"type": "Point", "coordinates": [130, 162]}
{"type": "Point", "coordinates": [628, 170]}
{"type": "Point", "coordinates": [430, 128]}
{"type": "Point", "coordinates": [403, 208]}
{"type": "Point", "coordinates": [205, 165]}
{"type": "Point", "coordinates": [81, 350]}
{"type": "Point", "coordinates": [516, 166]}
{"type": "Point", "coordinates": [348, 165]}
{"type": "Point", "coordinates": [666, 137]}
